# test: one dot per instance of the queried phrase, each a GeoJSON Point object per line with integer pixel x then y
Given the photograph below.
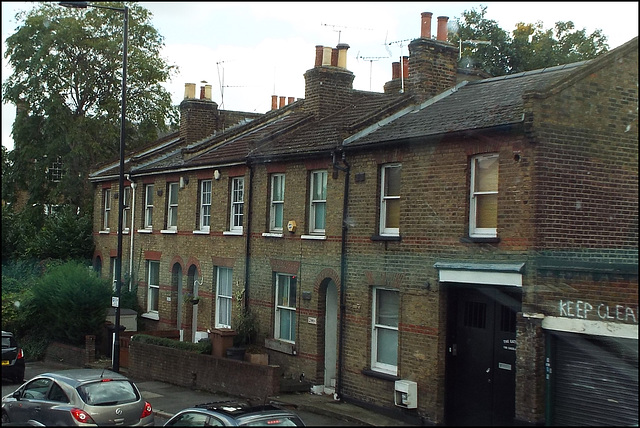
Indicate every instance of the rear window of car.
{"type": "Point", "coordinates": [8, 342]}
{"type": "Point", "coordinates": [108, 392]}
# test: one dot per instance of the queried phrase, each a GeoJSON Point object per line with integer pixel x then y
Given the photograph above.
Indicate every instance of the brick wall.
{"type": "Point", "coordinates": [74, 356]}
{"type": "Point", "coordinates": [204, 372]}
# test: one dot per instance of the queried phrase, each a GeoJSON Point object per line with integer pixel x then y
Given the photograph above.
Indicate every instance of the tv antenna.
{"type": "Point", "coordinates": [370, 59]}
{"type": "Point", "coordinates": [342, 26]}
{"type": "Point", "coordinates": [400, 42]}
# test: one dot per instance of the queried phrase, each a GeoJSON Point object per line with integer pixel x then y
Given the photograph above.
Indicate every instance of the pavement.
{"type": "Point", "coordinates": [168, 399]}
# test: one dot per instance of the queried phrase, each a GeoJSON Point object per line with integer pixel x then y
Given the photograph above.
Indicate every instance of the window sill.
{"type": "Point", "coordinates": [272, 235]}
{"type": "Point", "coordinates": [151, 316]}
{"type": "Point", "coordinates": [392, 238]}
{"type": "Point", "coordinates": [200, 232]}
{"type": "Point", "coordinates": [125, 232]}
{"type": "Point", "coordinates": [232, 233]}
{"type": "Point", "coordinates": [476, 240]}
{"type": "Point", "coordinates": [314, 237]}
{"type": "Point", "coordinates": [169, 231]}
{"type": "Point", "coordinates": [145, 230]}
{"type": "Point", "coordinates": [280, 346]}
{"type": "Point", "coordinates": [379, 375]}
{"type": "Point", "coordinates": [104, 232]}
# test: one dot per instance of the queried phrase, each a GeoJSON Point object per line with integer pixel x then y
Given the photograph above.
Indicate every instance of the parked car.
{"type": "Point", "coordinates": [74, 397]}
{"type": "Point", "coordinates": [12, 358]}
{"type": "Point", "coordinates": [232, 413]}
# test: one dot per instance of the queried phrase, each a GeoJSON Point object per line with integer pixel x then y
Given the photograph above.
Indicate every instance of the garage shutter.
{"type": "Point", "coordinates": [594, 380]}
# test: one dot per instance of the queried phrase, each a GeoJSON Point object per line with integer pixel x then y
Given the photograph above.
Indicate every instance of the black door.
{"type": "Point", "coordinates": [481, 355]}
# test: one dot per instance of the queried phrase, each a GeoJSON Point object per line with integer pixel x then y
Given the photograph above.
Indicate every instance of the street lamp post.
{"type": "Point", "coordinates": [118, 267]}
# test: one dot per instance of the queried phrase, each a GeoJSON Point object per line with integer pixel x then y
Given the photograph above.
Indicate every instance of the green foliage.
{"type": "Point", "coordinates": [245, 323]}
{"type": "Point", "coordinates": [65, 235]}
{"type": "Point", "coordinates": [67, 85]}
{"type": "Point", "coordinates": [34, 345]}
{"type": "Point", "coordinates": [528, 47]}
{"type": "Point", "coordinates": [202, 347]}
{"type": "Point", "coordinates": [68, 302]}
{"type": "Point", "coordinates": [30, 235]}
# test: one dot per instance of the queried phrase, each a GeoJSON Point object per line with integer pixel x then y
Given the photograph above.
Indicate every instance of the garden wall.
{"type": "Point", "coordinates": [204, 372]}
{"type": "Point", "coordinates": [60, 353]}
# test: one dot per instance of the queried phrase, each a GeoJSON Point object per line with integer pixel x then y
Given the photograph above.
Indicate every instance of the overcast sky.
{"type": "Point", "coordinates": [250, 51]}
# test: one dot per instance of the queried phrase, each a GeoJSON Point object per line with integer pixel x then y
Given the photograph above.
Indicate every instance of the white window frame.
{"type": "Point", "coordinates": [315, 203]}
{"type": "Point", "coordinates": [172, 206]}
{"type": "Point", "coordinates": [224, 296]}
{"type": "Point", "coordinates": [479, 232]}
{"type": "Point", "coordinates": [237, 204]}
{"type": "Point", "coordinates": [112, 269]}
{"type": "Point", "coordinates": [126, 212]}
{"type": "Point", "coordinates": [205, 190]}
{"type": "Point", "coordinates": [153, 289]}
{"type": "Point", "coordinates": [378, 328]}
{"type": "Point", "coordinates": [386, 199]}
{"type": "Point", "coordinates": [106, 209]}
{"type": "Point", "coordinates": [277, 204]}
{"type": "Point", "coordinates": [285, 307]}
{"type": "Point", "coordinates": [148, 206]}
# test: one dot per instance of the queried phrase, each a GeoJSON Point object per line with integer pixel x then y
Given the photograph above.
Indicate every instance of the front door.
{"type": "Point", "coordinates": [330, 335]}
{"type": "Point", "coordinates": [481, 355]}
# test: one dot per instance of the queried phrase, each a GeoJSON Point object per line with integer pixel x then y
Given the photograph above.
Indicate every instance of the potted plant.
{"type": "Point", "coordinates": [246, 328]}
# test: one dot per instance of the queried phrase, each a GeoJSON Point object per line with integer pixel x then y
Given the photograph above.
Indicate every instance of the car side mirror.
{"type": "Point", "coordinates": [16, 394]}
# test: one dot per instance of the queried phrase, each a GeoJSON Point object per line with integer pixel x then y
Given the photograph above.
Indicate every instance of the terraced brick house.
{"type": "Point", "coordinates": [450, 251]}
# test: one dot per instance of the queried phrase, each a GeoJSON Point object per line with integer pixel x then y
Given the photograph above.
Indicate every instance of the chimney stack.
{"type": "Point", "coordinates": [328, 86]}
{"type": "Point", "coordinates": [425, 28]}
{"type": "Point", "coordinates": [199, 118]}
{"type": "Point", "coordinates": [442, 28]}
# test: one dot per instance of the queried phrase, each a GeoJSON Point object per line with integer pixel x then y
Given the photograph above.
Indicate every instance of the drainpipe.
{"type": "Point", "coordinates": [132, 213]}
{"type": "Point", "coordinates": [248, 238]}
{"type": "Point", "coordinates": [343, 265]}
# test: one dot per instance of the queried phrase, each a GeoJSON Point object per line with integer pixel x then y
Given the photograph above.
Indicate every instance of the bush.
{"type": "Point", "coordinates": [202, 347]}
{"type": "Point", "coordinates": [68, 302]}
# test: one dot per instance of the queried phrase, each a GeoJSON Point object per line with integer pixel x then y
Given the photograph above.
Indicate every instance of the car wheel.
{"type": "Point", "coordinates": [5, 418]}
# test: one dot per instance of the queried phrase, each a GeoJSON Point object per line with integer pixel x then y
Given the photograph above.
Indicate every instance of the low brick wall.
{"type": "Point", "coordinates": [60, 353]}
{"type": "Point", "coordinates": [204, 372]}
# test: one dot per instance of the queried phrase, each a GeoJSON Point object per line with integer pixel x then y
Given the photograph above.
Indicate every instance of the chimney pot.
{"type": "Point", "coordinates": [405, 67]}
{"type": "Point", "coordinates": [189, 90]}
{"type": "Point", "coordinates": [281, 102]}
{"type": "Point", "coordinates": [274, 102]}
{"type": "Point", "coordinates": [207, 92]}
{"type": "Point", "coordinates": [326, 56]}
{"type": "Point", "coordinates": [319, 54]}
{"type": "Point", "coordinates": [342, 55]}
{"type": "Point", "coordinates": [425, 28]}
{"type": "Point", "coordinates": [202, 92]}
{"type": "Point", "coordinates": [395, 70]}
{"type": "Point", "coordinates": [290, 100]}
{"type": "Point", "coordinates": [334, 57]}
{"type": "Point", "coordinates": [442, 28]}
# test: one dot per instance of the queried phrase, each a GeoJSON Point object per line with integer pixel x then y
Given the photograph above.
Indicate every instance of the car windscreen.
{"type": "Point", "coordinates": [108, 392]}
{"type": "Point", "coordinates": [7, 342]}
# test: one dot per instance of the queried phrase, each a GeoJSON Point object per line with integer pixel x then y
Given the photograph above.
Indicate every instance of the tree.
{"type": "Point", "coordinates": [66, 85]}
{"type": "Point", "coordinates": [529, 47]}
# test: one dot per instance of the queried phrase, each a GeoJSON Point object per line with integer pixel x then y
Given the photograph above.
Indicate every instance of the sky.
{"type": "Point", "coordinates": [249, 51]}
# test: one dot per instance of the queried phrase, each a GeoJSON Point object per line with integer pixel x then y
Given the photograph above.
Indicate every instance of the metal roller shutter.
{"type": "Point", "coordinates": [594, 380]}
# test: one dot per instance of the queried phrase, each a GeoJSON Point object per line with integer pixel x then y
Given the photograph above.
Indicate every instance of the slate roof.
{"type": "Point", "coordinates": [473, 105]}
{"type": "Point", "coordinates": [294, 131]}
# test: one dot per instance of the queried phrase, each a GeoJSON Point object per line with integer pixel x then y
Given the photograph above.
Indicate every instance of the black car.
{"type": "Point", "coordinates": [232, 413]}
{"type": "Point", "coordinates": [12, 358]}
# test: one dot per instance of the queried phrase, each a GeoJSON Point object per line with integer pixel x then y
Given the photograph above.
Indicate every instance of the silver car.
{"type": "Point", "coordinates": [83, 397]}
